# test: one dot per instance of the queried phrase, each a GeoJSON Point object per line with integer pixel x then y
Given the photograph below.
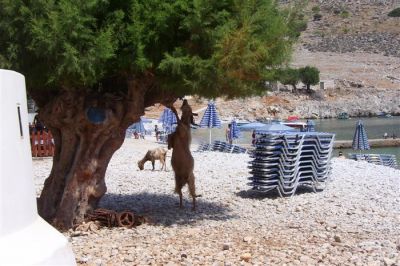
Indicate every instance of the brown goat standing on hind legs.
{"type": "Point", "coordinates": [182, 161]}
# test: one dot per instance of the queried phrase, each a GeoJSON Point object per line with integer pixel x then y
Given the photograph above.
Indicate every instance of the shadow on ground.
{"type": "Point", "coordinates": [164, 209]}
{"type": "Point", "coordinates": [272, 194]}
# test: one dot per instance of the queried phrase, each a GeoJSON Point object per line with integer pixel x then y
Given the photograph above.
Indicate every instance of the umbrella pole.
{"type": "Point", "coordinates": [210, 135]}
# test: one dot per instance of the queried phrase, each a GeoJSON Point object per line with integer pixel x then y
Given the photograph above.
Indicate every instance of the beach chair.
{"type": "Point", "coordinates": [42, 144]}
{"type": "Point", "coordinates": [283, 161]}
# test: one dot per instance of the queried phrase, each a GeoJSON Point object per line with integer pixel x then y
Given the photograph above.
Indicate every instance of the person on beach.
{"type": "Point", "coordinates": [385, 135]}
{"type": "Point", "coordinates": [37, 124]}
{"type": "Point", "coordinates": [157, 133]}
{"type": "Point", "coordinates": [228, 134]}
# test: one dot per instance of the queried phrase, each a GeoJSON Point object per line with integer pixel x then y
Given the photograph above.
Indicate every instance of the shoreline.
{"type": "Point", "coordinates": [344, 144]}
{"type": "Point", "coordinates": [373, 143]}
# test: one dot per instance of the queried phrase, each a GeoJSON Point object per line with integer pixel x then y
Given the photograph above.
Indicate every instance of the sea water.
{"type": "Point", "coordinates": [344, 130]}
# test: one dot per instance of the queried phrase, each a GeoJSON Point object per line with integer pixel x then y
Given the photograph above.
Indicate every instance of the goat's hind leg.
{"type": "Point", "coordinates": [192, 190]}
{"type": "Point", "coordinates": [163, 164]}
{"type": "Point", "coordinates": [180, 199]}
{"type": "Point", "coordinates": [178, 190]}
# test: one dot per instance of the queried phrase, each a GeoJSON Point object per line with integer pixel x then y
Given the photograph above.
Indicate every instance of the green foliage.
{"type": "Point", "coordinates": [295, 17]}
{"type": "Point", "coordinates": [289, 76]}
{"type": "Point", "coordinates": [395, 12]}
{"type": "Point", "coordinates": [309, 76]}
{"type": "Point", "coordinates": [315, 9]}
{"type": "Point", "coordinates": [209, 48]}
{"type": "Point", "coordinates": [319, 33]}
{"type": "Point", "coordinates": [345, 14]}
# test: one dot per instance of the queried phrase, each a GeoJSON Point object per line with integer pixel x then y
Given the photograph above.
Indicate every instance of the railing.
{"type": "Point", "coordinates": [42, 144]}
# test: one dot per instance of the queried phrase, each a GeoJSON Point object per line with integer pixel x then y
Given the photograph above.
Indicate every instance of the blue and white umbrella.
{"type": "Point", "coordinates": [136, 127]}
{"type": "Point", "coordinates": [210, 118]}
{"type": "Point", "coordinates": [310, 126]}
{"type": "Point", "coordinates": [360, 139]}
{"type": "Point", "coordinates": [234, 133]}
{"type": "Point", "coordinates": [139, 127]}
{"type": "Point", "coordinates": [168, 120]}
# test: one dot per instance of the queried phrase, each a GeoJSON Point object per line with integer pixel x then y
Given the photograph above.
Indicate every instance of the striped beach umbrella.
{"type": "Point", "coordinates": [168, 120]}
{"type": "Point", "coordinates": [360, 139]}
{"type": "Point", "coordinates": [210, 118]}
{"type": "Point", "coordinates": [135, 127]}
{"type": "Point", "coordinates": [234, 132]}
{"type": "Point", "coordinates": [139, 127]}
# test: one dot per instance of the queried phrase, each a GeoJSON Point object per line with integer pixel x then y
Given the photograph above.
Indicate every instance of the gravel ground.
{"type": "Point", "coordinates": [354, 221]}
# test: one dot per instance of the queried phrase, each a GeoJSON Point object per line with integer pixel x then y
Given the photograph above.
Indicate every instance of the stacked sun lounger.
{"type": "Point", "coordinates": [283, 161]}
{"type": "Point", "coordinates": [221, 147]}
{"type": "Point", "coordinates": [204, 147]}
{"type": "Point", "coordinates": [379, 159]}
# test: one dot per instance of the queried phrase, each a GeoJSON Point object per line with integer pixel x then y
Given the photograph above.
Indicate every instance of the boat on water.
{"type": "Point", "coordinates": [296, 124]}
{"type": "Point", "coordinates": [343, 115]}
{"type": "Point", "coordinates": [293, 118]}
{"type": "Point", "coordinates": [242, 122]}
{"type": "Point", "coordinates": [384, 115]}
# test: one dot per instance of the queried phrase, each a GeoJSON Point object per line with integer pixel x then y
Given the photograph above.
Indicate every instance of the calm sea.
{"type": "Point", "coordinates": [344, 130]}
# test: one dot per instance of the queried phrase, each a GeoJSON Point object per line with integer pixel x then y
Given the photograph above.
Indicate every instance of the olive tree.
{"type": "Point", "coordinates": [92, 66]}
{"type": "Point", "coordinates": [289, 76]}
{"type": "Point", "coordinates": [309, 76]}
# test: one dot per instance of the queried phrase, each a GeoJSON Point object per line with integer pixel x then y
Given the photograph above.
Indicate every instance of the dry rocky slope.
{"type": "Point", "coordinates": [356, 46]}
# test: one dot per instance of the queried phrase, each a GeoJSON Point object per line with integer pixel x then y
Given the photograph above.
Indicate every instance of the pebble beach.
{"type": "Point", "coordinates": [355, 220]}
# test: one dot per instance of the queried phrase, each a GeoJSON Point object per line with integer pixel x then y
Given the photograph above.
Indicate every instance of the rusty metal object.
{"type": "Point", "coordinates": [126, 219]}
{"type": "Point", "coordinates": [112, 218]}
{"type": "Point", "coordinates": [104, 216]}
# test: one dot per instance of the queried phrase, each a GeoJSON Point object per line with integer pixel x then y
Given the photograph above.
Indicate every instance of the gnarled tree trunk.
{"type": "Point", "coordinates": [87, 130]}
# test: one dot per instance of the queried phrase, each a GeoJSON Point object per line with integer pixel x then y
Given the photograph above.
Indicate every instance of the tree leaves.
{"type": "Point", "coordinates": [209, 48]}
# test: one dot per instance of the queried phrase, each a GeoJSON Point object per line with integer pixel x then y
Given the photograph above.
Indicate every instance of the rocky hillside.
{"type": "Point", "coordinates": [355, 45]}
{"type": "Point", "coordinates": [353, 26]}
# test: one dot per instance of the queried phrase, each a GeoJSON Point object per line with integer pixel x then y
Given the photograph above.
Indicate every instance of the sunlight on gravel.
{"type": "Point", "coordinates": [355, 220]}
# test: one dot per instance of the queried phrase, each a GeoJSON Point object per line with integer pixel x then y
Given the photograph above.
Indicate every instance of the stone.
{"type": "Point", "coordinates": [245, 257]}
{"type": "Point", "coordinates": [247, 239]}
{"type": "Point", "coordinates": [304, 258]}
{"type": "Point", "coordinates": [114, 252]}
{"type": "Point", "coordinates": [337, 239]}
{"type": "Point", "coordinates": [98, 262]}
{"type": "Point", "coordinates": [388, 262]}
{"type": "Point", "coordinates": [225, 246]}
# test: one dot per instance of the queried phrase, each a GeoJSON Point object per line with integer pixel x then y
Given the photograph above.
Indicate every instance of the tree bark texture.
{"type": "Point", "coordinates": [84, 148]}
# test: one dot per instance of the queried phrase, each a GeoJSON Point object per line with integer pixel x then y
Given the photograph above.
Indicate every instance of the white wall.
{"type": "Point", "coordinates": [25, 238]}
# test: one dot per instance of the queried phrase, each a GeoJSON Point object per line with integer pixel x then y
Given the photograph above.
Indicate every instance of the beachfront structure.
{"type": "Point", "coordinates": [25, 238]}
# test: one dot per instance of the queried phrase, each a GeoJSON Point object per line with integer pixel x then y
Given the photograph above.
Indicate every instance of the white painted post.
{"type": "Point", "coordinates": [25, 238]}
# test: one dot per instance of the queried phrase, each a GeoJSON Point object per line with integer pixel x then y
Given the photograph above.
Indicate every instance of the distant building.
{"type": "Point", "coordinates": [326, 84]}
